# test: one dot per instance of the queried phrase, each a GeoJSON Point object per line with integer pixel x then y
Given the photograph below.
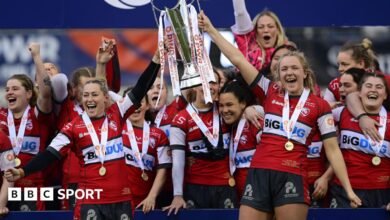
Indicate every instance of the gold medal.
{"type": "Point", "coordinates": [232, 182]}
{"type": "Point", "coordinates": [289, 146]}
{"type": "Point", "coordinates": [376, 160]}
{"type": "Point", "coordinates": [102, 171]}
{"type": "Point", "coordinates": [17, 162]}
{"type": "Point", "coordinates": [144, 176]}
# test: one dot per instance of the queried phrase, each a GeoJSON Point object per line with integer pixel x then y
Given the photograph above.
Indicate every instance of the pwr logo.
{"type": "Point", "coordinates": [47, 194]}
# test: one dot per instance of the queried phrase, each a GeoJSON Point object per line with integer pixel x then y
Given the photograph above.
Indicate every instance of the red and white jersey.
{"type": "Point", "coordinates": [332, 93]}
{"type": "Point", "coordinates": [186, 135]}
{"type": "Point", "coordinates": [249, 46]}
{"type": "Point", "coordinates": [171, 110]}
{"type": "Point", "coordinates": [70, 163]}
{"type": "Point", "coordinates": [315, 117]}
{"type": "Point", "coordinates": [75, 135]}
{"type": "Point", "coordinates": [249, 139]}
{"type": "Point", "coordinates": [317, 159]}
{"type": "Point", "coordinates": [358, 153]}
{"type": "Point", "coordinates": [6, 152]}
{"type": "Point", "coordinates": [156, 157]}
{"type": "Point", "coordinates": [39, 129]}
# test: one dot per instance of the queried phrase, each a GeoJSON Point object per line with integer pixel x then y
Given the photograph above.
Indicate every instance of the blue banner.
{"type": "Point", "coordinates": [138, 13]}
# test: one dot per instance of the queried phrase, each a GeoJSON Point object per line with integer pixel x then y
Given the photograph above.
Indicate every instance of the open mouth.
{"type": "Point", "coordinates": [11, 100]}
{"type": "Point", "coordinates": [267, 37]}
{"type": "Point", "coordinates": [91, 106]}
{"type": "Point", "coordinates": [372, 96]}
{"type": "Point", "coordinates": [342, 97]}
{"type": "Point", "coordinates": [291, 80]}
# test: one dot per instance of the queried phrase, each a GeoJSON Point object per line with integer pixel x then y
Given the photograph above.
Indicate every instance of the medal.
{"type": "Point", "coordinates": [17, 162]}
{"type": "Point", "coordinates": [289, 146]}
{"type": "Point", "coordinates": [144, 176]}
{"type": "Point", "coordinates": [102, 171]}
{"type": "Point", "coordinates": [376, 160]}
{"type": "Point", "coordinates": [232, 182]}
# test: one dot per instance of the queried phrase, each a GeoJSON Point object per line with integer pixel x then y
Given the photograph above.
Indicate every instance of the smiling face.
{"type": "Point", "coordinates": [230, 108]}
{"type": "Point", "coordinates": [373, 93]}
{"type": "Point", "coordinates": [153, 92]}
{"type": "Point", "coordinates": [17, 96]}
{"type": "Point", "coordinates": [345, 61]}
{"type": "Point", "coordinates": [267, 31]}
{"type": "Point", "coordinates": [94, 100]}
{"type": "Point", "coordinates": [347, 85]}
{"type": "Point", "coordinates": [291, 74]}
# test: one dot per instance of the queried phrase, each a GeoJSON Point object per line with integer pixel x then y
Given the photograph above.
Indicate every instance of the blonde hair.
{"type": "Point", "coordinates": [362, 52]}
{"type": "Point", "coordinates": [309, 81]}
{"type": "Point", "coordinates": [281, 38]}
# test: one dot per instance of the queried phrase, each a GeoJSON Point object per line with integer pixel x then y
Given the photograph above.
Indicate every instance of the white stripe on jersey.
{"type": "Point", "coordinates": [326, 124]}
{"type": "Point", "coordinates": [243, 158]}
{"type": "Point", "coordinates": [165, 128]}
{"type": "Point", "coordinates": [59, 141]}
{"type": "Point", "coordinates": [264, 84]}
{"type": "Point", "coordinates": [114, 150]}
{"type": "Point", "coordinates": [163, 155]}
{"type": "Point", "coordinates": [124, 105]}
{"type": "Point", "coordinates": [7, 160]}
{"type": "Point", "coordinates": [358, 142]}
{"type": "Point", "coordinates": [273, 125]}
{"type": "Point", "coordinates": [30, 145]}
{"type": "Point", "coordinates": [314, 149]}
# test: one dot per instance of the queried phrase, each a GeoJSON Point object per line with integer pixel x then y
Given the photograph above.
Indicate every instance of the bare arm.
{"type": "Point", "coordinates": [103, 55]}
{"type": "Point", "coordinates": [367, 124]}
{"type": "Point", "coordinates": [248, 71]}
{"type": "Point", "coordinates": [44, 101]}
{"type": "Point", "coordinates": [4, 196]}
{"type": "Point", "coordinates": [336, 160]}
{"type": "Point", "coordinates": [321, 184]}
{"type": "Point", "coordinates": [149, 202]}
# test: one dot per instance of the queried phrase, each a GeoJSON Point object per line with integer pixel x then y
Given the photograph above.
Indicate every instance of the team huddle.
{"type": "Point", "coordinates": [269, 143]}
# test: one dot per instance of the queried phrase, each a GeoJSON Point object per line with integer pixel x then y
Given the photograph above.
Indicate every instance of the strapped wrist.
{"type": "Point", "coordinates": [361, 115]}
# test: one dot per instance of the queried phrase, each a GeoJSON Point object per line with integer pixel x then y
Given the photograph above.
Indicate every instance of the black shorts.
{"type": "Point", "coordinates": [371, 198]}
{"type": "Point", "coordinates": [206, 197]}
{"type": "Point", "coordinates": [266, 189]}
{"type": "Point", "coordinates": [318, 203]}
{"type": "Point", "coordinates": [119, 210]}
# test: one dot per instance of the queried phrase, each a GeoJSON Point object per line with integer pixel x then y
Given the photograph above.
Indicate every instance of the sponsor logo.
{"type": "Point", "coordinates": [275, 124]}
{"type": "Point", "coordinates": [127, 4]}
{"type": "Point", "coordinates": [291, 190]}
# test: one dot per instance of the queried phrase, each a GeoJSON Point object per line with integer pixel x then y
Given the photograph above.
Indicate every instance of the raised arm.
{"type": "Point", "coordinates": [44, 101]}
{"type": "Point", "coordinates": [242, 18]}
{"type": "Point", "coordinates": [248, 71]}
{"type": "Point", "coordinates": [103, 55]}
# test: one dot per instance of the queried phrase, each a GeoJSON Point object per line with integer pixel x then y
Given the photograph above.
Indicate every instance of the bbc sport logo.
{"type": "Point", "coordinates": [127, 4]}
{"type": "Point", "coordinates": [47, 194]}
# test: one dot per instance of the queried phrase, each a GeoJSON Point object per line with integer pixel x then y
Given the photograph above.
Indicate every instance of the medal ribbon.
{"type": "Point", "coordinates": [161, 52]}
{"type": "Point", "coordinates": [289, 124]}
{"type": "Point", "coordinates": [134, 145]}
{"type": "Point", "coordinates": [234, 145]}
{"type": "Point", "coordinates": [172, 64]}
{"type": "Point", "coordinates": [376, 146]}
{"type": "Point", "coordinates": [159, 116]}
{"type": "Point", "coordinates": [100, 147]}
{"type": "Point", "coordinates": [17, 140]}
{"type": "Point", "coordinates": [213, 138]}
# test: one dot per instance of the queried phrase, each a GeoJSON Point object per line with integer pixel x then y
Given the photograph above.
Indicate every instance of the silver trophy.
{"type": "Point", "coordinates": [190, 77]}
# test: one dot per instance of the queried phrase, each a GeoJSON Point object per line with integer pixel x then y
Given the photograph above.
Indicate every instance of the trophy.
{"type": "Point", "coordinates": [178, 29]}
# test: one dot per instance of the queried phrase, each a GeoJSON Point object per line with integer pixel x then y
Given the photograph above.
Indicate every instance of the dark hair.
{"type": "Point", "coordinates": [148, 113]}
{"type": "Point", "coordinates": [289, 47]}
{"type": "Point", "coordinates": [386, 102]}
{"type": "Point", "coordinates": [28, 84]}
{"type": "Point", "coordinates": [356, 74]}
{"type": "Point", "coordinates": [240, 90]}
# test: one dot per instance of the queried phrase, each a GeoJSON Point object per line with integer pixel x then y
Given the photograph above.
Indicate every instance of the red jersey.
{"type": "Point", "coordinates": [156, 157]}
{"type": "Point", "coordinates": [36, 137]}
{"type": "Point", "coordinates": [6, 152]}
{"type": "Point", "coordinates": [315, 117]}
{"type": "Point", "coordinates": [317, 159]}
{"type": "Point", "coordinates": [250, 136]}
{"type": "Point", "coordinates": [76, 136]}
{"type": "Point", "coordinates": [358, 153]}
{"type": "Point", "coordinates": [249, 46]}
{"type": "Point", "coordinates": [185, 134]}
{"type": "Point", "coordinates": [332, 93]}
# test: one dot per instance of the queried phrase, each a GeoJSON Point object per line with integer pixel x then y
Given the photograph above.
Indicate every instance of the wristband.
{"type": "Point", "coordinates": [361, 115]}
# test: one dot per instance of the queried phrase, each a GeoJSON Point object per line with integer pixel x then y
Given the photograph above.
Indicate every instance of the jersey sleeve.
{"type": "Point", "coordinates": [325, 120]}
{"type": "Point", "coordinates": [6, 153]}
{"type": "Point", "coordinates": [177, 137]}
{"type": "Point", "coordinates": [164, 157]}
{"type": "Point", "coordinates": [59, 146]}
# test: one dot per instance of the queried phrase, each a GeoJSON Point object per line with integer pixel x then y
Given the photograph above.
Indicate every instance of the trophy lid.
{"type": "Point", "coordinates": [190, 78]}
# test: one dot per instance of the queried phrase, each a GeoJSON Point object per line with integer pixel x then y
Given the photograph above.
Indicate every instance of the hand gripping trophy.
{"type": "Point", "coordinates": [178, 29]}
